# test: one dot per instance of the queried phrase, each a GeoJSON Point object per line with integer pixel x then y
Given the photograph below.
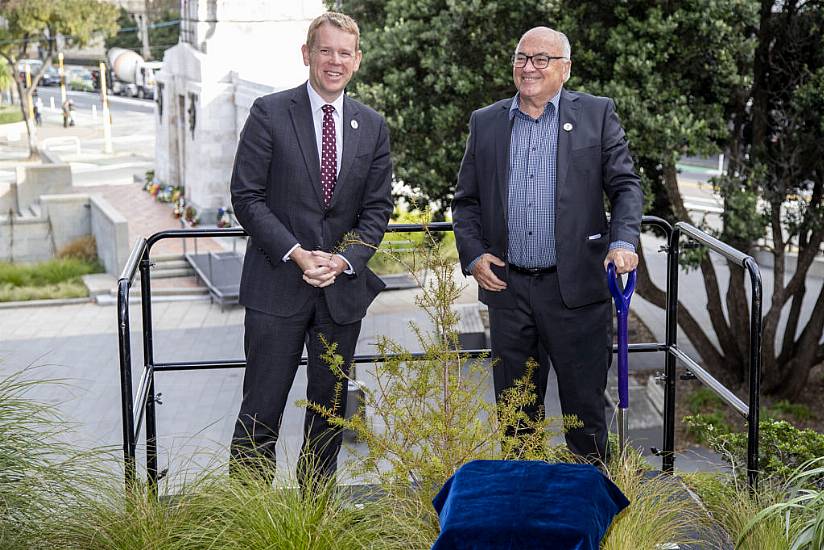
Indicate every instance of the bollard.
{"type": "Point", "coordinates": [51, 103]}
{"type": "Point", "coordinates": [94, 112]}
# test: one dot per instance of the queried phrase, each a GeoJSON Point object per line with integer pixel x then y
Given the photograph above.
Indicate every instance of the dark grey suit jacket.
{"type": "Point", "coordinates": [593, 159]}
{"type": "Point", "coordinates": [276, 195]}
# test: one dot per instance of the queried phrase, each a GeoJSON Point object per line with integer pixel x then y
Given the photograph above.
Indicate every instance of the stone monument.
{"type": "Point", "coordinates": [230, 52]}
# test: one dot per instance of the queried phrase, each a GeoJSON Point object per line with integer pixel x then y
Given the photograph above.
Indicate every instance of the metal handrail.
{"type": "Point", "coordinates": [142, 405]}
{"type": "Point", "coordinates": [751, 411]}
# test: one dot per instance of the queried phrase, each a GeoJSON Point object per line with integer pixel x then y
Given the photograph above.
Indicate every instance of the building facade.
{"type": "Point", "coordinates": [230, 52]}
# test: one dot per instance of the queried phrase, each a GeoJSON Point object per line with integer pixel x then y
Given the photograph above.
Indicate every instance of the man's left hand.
{"type": "Point", "coordinates": [624, 260]}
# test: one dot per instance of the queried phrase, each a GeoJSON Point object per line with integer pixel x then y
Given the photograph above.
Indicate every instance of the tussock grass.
{"type": "Point", "coordinates": [58, 278]}
{"type": "Point", "coordinates": [732, 505]}
{"type": "Point", "coordinates": [70, 289]}
{"type": "Point", "coordinates": [40, 477]}
{"type": "Point", "coordinates": [50, 272]}
{"type": "Point", "coordinates": [216, 511]}
{"type": "Point", "coordinates": [659, 512]}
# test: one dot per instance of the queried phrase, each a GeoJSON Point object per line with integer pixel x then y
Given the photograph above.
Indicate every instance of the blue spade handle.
{"type": "Point", "coordinates": [622, 300]}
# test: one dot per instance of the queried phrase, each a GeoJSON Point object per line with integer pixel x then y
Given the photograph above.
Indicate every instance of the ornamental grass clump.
{"type": "Point", "coordinates": [216, 511]}
{"type": "Point", "coordinates": [731, 505]}
{"type": "Point", "coordinates": [661, 513]}
{"type": "Point", "coordinates": [802, 514]}
{"type": "Point", "coordinates": [41, 476]}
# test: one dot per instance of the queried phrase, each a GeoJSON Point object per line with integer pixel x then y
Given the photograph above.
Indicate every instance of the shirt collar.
{"type": "Point", "coordinates": [516, 103]}
{"type": "Point", "coordinates": [318, 102]}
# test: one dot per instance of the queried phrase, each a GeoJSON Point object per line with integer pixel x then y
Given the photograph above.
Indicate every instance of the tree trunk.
{"type": "Point", "coordinates": [712, 360]}
{"type": "Point", "coordinates": [729, 348]}
{"type": "Point", "coordinates": [25, 101]}
{"type": "Point", "coordinates": [796, 371]}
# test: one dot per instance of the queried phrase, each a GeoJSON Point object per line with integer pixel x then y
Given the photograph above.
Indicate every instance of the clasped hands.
{"type": "Point", "coordinates": [319, 268]}
{"type": "Point", "coordinates": [624, 260]}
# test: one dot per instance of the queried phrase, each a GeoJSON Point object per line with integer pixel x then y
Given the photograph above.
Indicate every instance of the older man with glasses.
{"type": "Point", "coordinates": [531, 227]}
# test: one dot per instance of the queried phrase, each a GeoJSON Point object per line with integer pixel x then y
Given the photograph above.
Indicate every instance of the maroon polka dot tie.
{"type": "Point", "coordinates": [329, 155]}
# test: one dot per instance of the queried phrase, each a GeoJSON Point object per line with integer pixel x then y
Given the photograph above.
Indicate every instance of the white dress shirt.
{"type": "Point", "coordinates": [317, 104]}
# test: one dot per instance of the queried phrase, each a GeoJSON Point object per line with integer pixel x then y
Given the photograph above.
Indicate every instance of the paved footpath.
{"type": "Point", "coordinates": [77, 344]}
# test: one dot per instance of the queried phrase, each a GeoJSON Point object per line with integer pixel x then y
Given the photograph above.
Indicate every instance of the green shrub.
{"type": "Point", "coordinates": [9, 114]}
{"type": "Point", "coordinates": [782, 446]}
{"type": "Point", "coordinates": [77, 84]}
{"type": "Point", "coordinates": [784, 408]}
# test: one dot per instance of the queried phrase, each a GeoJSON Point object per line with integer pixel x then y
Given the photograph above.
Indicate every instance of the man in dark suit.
{"type": "Point", "coordinates": [312, 166]}
{"type": "Point", "coordinates": [531, 228]}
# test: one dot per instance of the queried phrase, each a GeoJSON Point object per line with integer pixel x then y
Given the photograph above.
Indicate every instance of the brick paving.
{"type": "Point", "coordinates": [147, 216]}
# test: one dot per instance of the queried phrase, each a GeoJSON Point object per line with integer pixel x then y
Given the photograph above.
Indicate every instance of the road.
{"type": "Point", "coordinates": [84, 101]}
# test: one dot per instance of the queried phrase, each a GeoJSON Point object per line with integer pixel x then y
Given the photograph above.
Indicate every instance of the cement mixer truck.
{"type": "Point", "coordinates": [130, 75]}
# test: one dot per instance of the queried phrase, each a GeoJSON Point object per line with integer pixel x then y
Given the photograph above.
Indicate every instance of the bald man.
{"type": "Point", "coordinates": [531, 227]}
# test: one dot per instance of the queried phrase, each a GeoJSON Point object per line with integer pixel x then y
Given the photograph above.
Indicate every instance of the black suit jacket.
{"type": "Point", "coordinates": [277, 197]}
{"type": "Point", "coordinates": [593, 160]}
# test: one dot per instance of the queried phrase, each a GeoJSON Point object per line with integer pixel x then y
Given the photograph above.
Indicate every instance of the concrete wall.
{"type": "Point", "coordinates": [62, 219]}
{"type": "Point", "coordinates": [68, 216]}
{"type": "Point", "coordinates": [25, 239]}
{"type": "Point", "coordinates": [40, 179]}
{"type": "Point", "coordinates": [111, 231]}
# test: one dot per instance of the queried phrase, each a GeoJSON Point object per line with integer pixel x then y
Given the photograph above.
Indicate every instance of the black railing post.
{"type": "Point", "coordinates": [753, 417]}
{"type": "Point", "coordinates": [124, 284]}
{"type": "Point", "coordinates": [148, 363]}
{"type": "Point", "coordinates": [126, 402]}
{"type": "Point", "coordinates": [668, 443]}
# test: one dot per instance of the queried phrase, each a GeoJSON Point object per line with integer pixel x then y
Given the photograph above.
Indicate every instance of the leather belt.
{"type": "Point", "coordinates": [534, 271]}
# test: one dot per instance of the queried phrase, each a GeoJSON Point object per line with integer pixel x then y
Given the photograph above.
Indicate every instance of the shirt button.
{"type": "Point", "coordinates": [531, 176]}
{"type": "Point", "coordinates": [534, 148]}
{"type": "Point", "coordinates": [530, 232]}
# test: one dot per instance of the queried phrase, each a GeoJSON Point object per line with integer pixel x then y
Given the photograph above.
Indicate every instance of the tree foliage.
{"type": "Point", "coordinates": [696, 77]}
{"type": "Point", "coordinates": [46, 24]}
{"type": "Point", "coordinates": [427, 65]}
{"type": "Point", "coordinates": [162, 34]}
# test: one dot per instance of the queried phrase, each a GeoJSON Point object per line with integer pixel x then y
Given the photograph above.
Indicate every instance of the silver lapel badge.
{"type": "Point", "coordinates": [567, 126]}
{"type": "Point", "coordinates": [354, 124]}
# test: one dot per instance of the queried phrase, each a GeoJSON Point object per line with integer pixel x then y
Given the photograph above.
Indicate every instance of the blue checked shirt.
{"type": "Point", "coordinates": [533, 155]}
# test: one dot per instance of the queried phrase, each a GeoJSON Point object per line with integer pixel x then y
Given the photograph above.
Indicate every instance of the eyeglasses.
{"type": "Point", "coordinates": [539, 61]}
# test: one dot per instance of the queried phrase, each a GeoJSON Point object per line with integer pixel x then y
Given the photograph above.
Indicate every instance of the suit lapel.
{"type": "Point", "coordinates": [502, 131]}
{"type": "Point", "coordinates": [567, 115]}
{"type": "Point", "coordinates": [351, 138]}
{"type": "Point", "coordinates": [301, 113]}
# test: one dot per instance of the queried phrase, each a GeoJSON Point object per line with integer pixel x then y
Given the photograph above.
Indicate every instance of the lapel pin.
{"type": "Point", "coordinates": [354, 124]}
{"type": "Point", "coordinates": [567, 126]}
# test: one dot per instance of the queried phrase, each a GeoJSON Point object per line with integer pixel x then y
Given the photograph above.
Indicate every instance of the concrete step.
{"type": "Point", "coordinates": [162, 272]}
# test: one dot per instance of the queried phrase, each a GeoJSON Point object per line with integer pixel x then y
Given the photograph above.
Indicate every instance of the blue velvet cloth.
{"type": "Point", "coordinates": [521, 504]}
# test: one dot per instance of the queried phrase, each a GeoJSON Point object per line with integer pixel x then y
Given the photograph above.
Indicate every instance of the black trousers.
{"type": "Point", "coordinates": [274, 346]}
{"type": "Point", "coordinates": [578, 342]}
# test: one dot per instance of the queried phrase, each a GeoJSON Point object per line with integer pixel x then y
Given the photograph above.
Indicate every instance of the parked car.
{"type": "Point", "coordinates": [51, 77]}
